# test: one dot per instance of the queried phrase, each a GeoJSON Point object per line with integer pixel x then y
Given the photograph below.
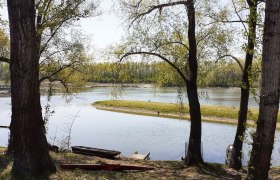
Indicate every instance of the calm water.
{"type": "Point", "coordinates": [164, 138]}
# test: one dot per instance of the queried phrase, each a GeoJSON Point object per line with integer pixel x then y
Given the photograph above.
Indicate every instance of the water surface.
{"type": "Point", "coordinates": [165, 138]}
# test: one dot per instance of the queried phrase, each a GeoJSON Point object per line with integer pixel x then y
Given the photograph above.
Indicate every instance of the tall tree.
{"type": "Point", "coordinates": [251, 24]}
{"type": "Point", "coordinates": [235, 159]}
{"type": "Point", "coordinates": [51, 45]}
{"type": "Point", "coordinates": [194, 149]}
{"type": "Point", "coordinates": [175, 42]}
{"type": "Point", "coordinates": [31, 155]}
{"type": "Point", "coordinates": [263, 140]}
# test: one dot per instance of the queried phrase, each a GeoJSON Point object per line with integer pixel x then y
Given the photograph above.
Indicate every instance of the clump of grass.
{"type": "Point", "coordinates": [153, 106]}
{"type": "Point", "coordinates": [206, 110]}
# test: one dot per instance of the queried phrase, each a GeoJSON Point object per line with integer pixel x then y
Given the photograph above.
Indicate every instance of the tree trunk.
{"type": "Point", "coordinates": [194, 148]}
{"type": "Point", "coordinates": [259, 163]}
{"type": "Point", "coordinates": [235, 159]}
{"type": "Point", "coordinates": [10, 148]}
{"type": "Point", "coordinates": [31, 157]}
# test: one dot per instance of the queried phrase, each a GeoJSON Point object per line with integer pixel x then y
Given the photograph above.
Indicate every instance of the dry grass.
{"type": "Point", "coordinates": [206, 110]}
{"type": "Point", "coordinates": [216, 114]}
{"type": "Point", "coordinates": [162, 169]}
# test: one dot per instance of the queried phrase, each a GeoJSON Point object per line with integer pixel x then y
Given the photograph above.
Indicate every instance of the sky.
{"type": "Point", "coordinates": [104, 30]}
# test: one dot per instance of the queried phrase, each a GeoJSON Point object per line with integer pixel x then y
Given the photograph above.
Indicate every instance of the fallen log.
{"type": "Point", "coordinates": [5, 127]}
{"type": "Point", "coordinates": [105, 167]}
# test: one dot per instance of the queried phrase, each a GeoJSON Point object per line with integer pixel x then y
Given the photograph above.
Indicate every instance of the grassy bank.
{"type": "Point", "coordinates": [221, 114]}
{"type": "Point", "coordinates": [162, 169]}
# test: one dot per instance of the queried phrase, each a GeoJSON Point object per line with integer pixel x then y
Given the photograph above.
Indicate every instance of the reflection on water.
{"type": "Point", "coordinates": [164, 138]}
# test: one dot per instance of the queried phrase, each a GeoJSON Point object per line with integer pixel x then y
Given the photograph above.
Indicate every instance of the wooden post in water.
{"type": "Point", "coordinates": [186, 149]}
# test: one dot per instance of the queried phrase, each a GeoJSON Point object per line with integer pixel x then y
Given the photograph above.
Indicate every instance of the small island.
{"type": "Point", "coordinates": [210, 113]}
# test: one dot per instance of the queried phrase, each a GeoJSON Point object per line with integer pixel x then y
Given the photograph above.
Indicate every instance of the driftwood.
{"type": "Point", "coordinates": [5, 127]}
{"type": "Point", "coordinates": [104, 167]}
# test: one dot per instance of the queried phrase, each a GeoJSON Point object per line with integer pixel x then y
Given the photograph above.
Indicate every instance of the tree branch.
{"type": "Point", "coordinates": [5, 60]}
{"type": "Point", "coordinates": [54, 73]}
{"type": "Point", "coordinates": [170, 43]}
{"type": "Point", "coordinates": [156, 7]}
{"type": "Point", "coordinates": [235, 9]}
{"type": "Point", "coordinates": [161, 57]}
{"type": "Point", "coordinates": [59, 25]}
{"type": "Point", "coordinates": [62, 82]}
{"type": "Point", "coordinates": [51, 36]}
{"type": "Point", "coordinates": [234, 58]}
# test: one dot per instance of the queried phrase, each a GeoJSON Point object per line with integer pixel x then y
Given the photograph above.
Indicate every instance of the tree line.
{"type": "Point", "coordinates": [210, 73]}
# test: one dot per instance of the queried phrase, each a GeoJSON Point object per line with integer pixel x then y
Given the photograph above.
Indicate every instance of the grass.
{"type": "Point", "coordinates": [206, 110]}
{"type": "Point", "coordinates": [162, 169]}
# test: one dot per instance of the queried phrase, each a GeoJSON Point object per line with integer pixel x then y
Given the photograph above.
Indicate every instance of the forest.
{"type": "Point", "coordinates": [186, 45]}
{"type": "Point", "coordinates": [210, 74]}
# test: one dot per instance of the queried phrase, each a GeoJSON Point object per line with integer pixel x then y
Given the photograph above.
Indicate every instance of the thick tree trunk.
{"type": "Point", "coordinates": [235, 159]}
{"type": "Point", "coordinates": [259, 163]}
{"type": "Point", "coordinates": [10, 149]}
{"type": "Point", "coordinates": [194, 149]}
{"type": "Point", "coordinates": [31, 155]}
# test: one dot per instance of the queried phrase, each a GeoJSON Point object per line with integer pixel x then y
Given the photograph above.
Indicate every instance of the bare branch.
{"type": "Point", "coordinates": [235, 9]}
{"type": "Point", "coordinates": [156, 7]}
{"type": "Point", "coordinates": [62, 82]}
{"type": "Point", "coordinates": [50, 55]}
{"type": "Point", "coordinates": [56, 72]}
{"type": "Point", "coordinates": [170, 43]}
{"type": "Point", "coordinates": [182, 75]}
{"type": "Point", "coordinates": [232, 21]}
{"type": "Point", "coordinates": [53, 34]}
{"type": "Point", "coordinates": [199, 40]}
{"type": "Point", "coordinates": [234, 58]}
{"type": "Point", "coordinates": [5, 60]}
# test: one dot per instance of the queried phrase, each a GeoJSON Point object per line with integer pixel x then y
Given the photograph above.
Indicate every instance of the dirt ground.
{"type": "Point", "coordinates": [162, 169]}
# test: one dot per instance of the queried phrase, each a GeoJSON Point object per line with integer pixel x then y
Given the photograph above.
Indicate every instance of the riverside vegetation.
{"type": "Point", "coordinates": [211, 74]}
{"type": "Point", "coordinates": [162, 169]}
{"type": "Point", "coordinates": [210, 113]}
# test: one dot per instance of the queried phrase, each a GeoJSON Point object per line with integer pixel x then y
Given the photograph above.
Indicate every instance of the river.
{"type": "Point", "coordinates": [164, 138]}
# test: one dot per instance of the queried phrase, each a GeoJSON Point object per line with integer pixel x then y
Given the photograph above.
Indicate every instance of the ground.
{"type": "Point", "coordinates": [162, 169]}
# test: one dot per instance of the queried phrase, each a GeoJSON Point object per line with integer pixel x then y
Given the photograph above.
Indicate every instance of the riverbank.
{"type": "Point", "coordinates": [5, 94]}
{"type": "Point", "coordinates": [59, 85]}
{"type": "Point", "coordinates": [217, 114]}
{"type": "Point", "coordinates": [138, 85]}
{"type": "Point", "coordinates": [162, 169]}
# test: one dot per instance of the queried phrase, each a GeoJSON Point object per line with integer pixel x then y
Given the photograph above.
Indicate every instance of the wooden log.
{"type": "Point", "coordinates": [104, 167]}
{"type": "Point", "coordinates": [5, 127]}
